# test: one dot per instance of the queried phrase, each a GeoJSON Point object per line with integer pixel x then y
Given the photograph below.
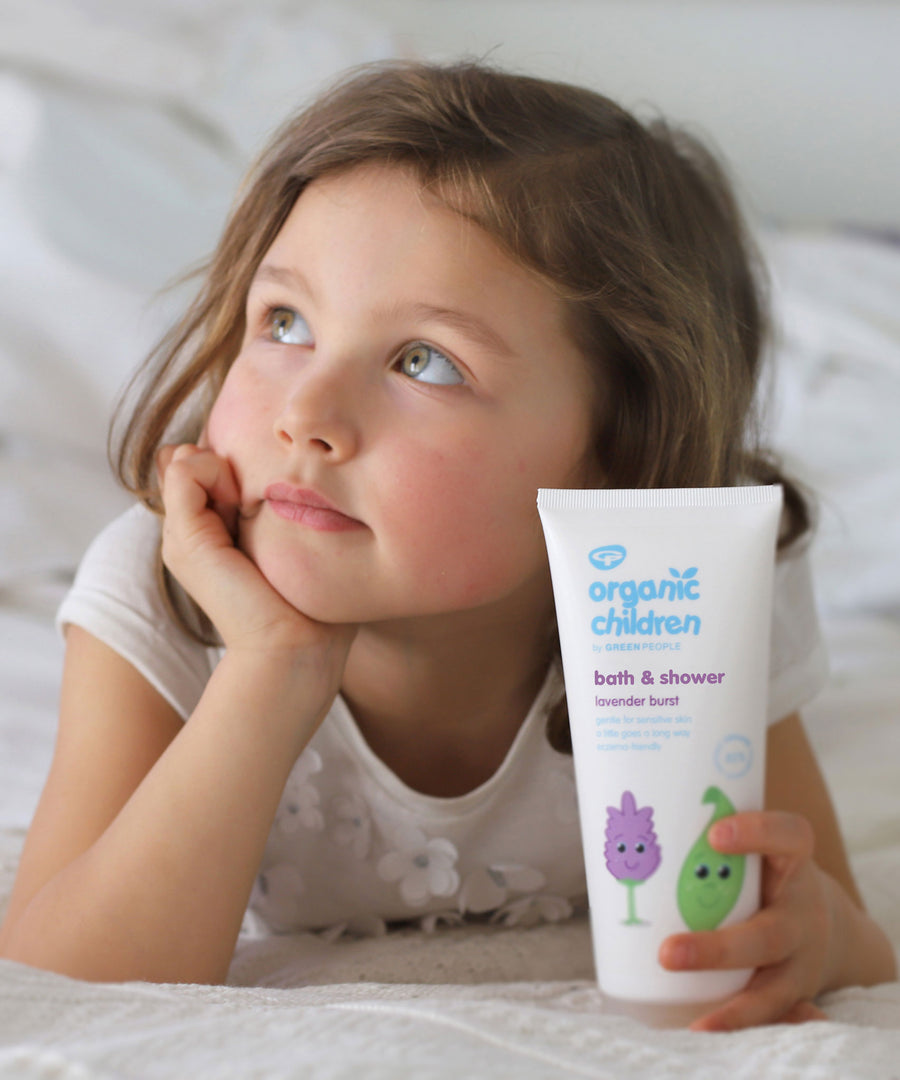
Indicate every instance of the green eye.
{"type": "Point", "coordinates": [415, 360]}
{"type": "Point", "coordinates": [426, 364]}
{"type": "Point", "coordinates": [289, 327]}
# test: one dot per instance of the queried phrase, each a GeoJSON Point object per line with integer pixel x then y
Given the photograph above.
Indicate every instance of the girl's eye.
{"type": "Point", "coordinates": [288, 327]}
{"type": "Point", "coordinates": [428, 365]}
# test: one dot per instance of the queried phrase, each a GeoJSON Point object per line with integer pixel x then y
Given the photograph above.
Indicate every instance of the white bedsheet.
{"type": "Point", "coordinates": [527, 1031]}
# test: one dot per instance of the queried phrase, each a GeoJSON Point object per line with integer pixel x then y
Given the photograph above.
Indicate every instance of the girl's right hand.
{"type": "Point", "coordinates": [201, 499]}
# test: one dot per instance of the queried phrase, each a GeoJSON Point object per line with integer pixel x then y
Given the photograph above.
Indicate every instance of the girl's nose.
{"type": "Point", "coordinates": [317, 417]}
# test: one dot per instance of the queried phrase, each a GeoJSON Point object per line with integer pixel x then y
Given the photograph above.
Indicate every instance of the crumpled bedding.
{"type": "Point", "coordinates": [535, 1029]}
{"type": "Point", "coordinates": [465, 1001]}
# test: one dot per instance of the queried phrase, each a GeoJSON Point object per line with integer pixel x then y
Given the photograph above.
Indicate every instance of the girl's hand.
{"type": "Point", "coordinates": [201, 500]}
{"type": "Point", "coordinates": [791, 940]}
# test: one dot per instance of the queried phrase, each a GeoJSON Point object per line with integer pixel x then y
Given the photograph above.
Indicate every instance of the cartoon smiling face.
{"type": "Point", "coordinates": [710, 882]}
{"type": "Point", "coordinates": [708, 890]}
{"type": "Point", "coordinates": [631, 851]}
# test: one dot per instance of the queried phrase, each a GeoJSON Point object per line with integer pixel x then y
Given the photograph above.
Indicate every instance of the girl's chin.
{"type": "Point", "coordinates": [314, 603]}
{"type": "Point", "coordinates": [313, 595]}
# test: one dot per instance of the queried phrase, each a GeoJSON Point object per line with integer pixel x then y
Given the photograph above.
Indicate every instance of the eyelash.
{"type": "Point", "coordinates": [269, 321]}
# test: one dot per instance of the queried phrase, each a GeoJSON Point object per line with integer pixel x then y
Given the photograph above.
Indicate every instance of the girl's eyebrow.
{"type": "Point", "coordinates": [279, 275]}
{"type": "Point", "coordinates": [470, 325]}
{"type": "Point", "coordinates": [476, 329]}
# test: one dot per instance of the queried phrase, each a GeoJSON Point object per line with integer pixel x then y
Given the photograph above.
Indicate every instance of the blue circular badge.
{"type": "Point", "coordinates": [734, 756]}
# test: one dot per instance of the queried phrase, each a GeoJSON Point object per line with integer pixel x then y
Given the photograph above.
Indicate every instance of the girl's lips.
{"type": "Point", "coordinates": [308, 508]}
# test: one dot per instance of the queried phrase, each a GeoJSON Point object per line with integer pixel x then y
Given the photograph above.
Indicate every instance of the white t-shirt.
{"type": "Point", "coordinates": [351, 844]}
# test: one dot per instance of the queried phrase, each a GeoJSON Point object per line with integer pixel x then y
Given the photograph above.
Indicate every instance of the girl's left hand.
{"type": "Point", "coordinates": [790, 940]}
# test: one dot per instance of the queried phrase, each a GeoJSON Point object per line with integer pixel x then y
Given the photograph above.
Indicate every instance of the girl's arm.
{"type": "Point", "coordinates": [143, 852]}
{"type": "Point", "coordinates": [812, 933]}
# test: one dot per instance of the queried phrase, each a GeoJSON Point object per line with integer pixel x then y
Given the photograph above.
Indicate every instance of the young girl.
{"type": "Point", "coordinates": [442, 289]}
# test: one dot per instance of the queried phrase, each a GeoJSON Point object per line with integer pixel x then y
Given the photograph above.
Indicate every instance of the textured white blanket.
{"type": "Point", "coordinates": [465, 1002]}
{"type": "Point", "coordinates": [529, 1030]}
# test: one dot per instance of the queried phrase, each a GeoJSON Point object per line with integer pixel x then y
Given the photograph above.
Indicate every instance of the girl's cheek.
{"type": "Point", "coordinates": [212, 429]}
{"type": "Point", "coordinates": [225, 421]}
{"type": "Point", "coordinates": [203, 439]}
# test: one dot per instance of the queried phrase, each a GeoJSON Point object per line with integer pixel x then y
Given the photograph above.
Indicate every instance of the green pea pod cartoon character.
{"type": "Point", "coordinates": [709, 883]}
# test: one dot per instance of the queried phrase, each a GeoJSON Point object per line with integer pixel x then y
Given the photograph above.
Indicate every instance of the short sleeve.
{"type": "Point", "coordinates": [116, 597]}
{"type": "Point", "coordinates": [799, 663]}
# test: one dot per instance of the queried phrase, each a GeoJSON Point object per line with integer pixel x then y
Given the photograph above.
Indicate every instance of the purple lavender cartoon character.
{"type": "Point", "coordinates": [632, 853]}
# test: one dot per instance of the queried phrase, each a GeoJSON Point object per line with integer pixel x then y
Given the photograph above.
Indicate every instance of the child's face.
{"type": "Point", "coordinates": [398, 366]}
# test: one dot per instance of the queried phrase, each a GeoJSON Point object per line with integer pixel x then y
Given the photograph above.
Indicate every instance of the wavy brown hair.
{"type": "Point", "coordinates": [633, 225]}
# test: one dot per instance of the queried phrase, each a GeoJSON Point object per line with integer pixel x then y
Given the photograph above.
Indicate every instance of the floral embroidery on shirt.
{"type": "Point", "coordinates": [490, 886]}
{"type": "Point", "coordinates": [276, 895]}
{"type": "Point", "coordinates": [352, 825]}
{"type": "Point", "coordinates": [423, 867]}
{"type": "Point", "coordinates": [300, 802]}
{"type": "Point", "coordinates": [531, 910]}
{"type": "Point", "coordinates": [359, 926]}
{"type": "Point", "coordinates": [430, 923]}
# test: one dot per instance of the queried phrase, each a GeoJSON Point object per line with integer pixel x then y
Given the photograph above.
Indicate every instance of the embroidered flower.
{"type": "Point", "coordinates": [253, 926]}
{"type": "Point", "coordinates": [423, 867]}
{"type": "Point", "coordinates": [430, 923]}
{"type": "Point", "coordinates": [358, 926]}
{"type": "Point", "coordinates": [531, 910]}
{"type": "Point", "coordinates": [300, 801]}
{"type": "Point", "coordinates": [352, 825]}
{"type": "Point", "coordinates": [276, 895]}
{"type": "Point", "coordinates": [488, 887]}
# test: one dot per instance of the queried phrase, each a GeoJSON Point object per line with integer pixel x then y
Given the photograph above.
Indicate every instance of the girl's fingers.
{"type": "Point", "coordinates": [773, 833]}
{"type": "Point", "coordinates": [201, 497]}
{"type": "Point", "coordinates": [802, 1012]}
{"type": "Point", "coordinates": [786, 841]}
{"type": "Point", "coordinates": [193, 480]}
{"type": "Point", "coordinates": [769, 998]}
{"type": "Point", "coordinates": [784, 941]}
{"type": "Point", "coordinates": [163, 458]}
{"type": "Point", "coordinates": [768, 938]}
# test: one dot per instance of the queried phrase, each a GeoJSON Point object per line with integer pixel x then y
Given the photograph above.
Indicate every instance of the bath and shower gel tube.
{"type": "Point", "coordinates": [664, 606]}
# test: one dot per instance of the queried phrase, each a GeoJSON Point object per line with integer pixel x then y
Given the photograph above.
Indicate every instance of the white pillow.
{"type": "Point", "coordinates": [124, 130]}
{"type": "Point", "coordinates": [838, 404]}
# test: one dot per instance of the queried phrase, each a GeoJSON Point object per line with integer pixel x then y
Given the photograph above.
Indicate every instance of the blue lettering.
{"type": "Point", "coordinates": [679, 586]}
{"type": "Point", "coordinates": [629, 593]}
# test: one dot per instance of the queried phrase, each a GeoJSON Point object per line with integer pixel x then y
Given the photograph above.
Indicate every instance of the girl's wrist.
{"type": "Point", "coordinates": [860, 953]}
{"type": "Point", "coordinates": [283, 689]}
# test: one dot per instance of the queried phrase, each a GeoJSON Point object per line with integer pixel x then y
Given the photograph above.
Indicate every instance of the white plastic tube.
{"type": "Point", "coordinates": [664, 605]}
